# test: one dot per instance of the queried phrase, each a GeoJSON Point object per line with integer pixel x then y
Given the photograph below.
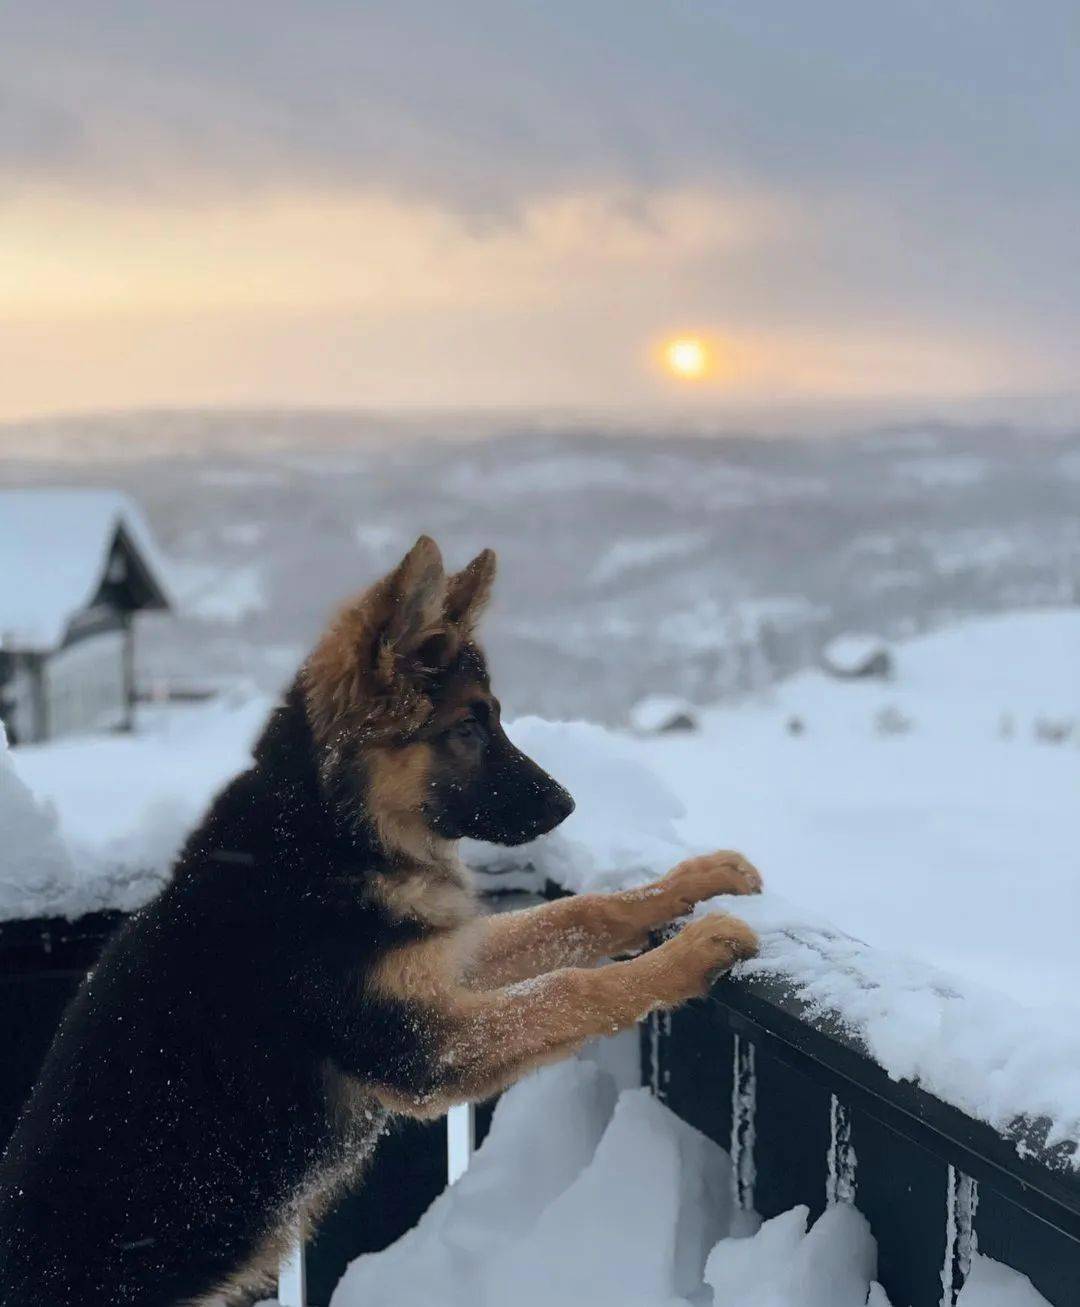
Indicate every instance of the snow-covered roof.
{"type": "Point", "coordinates": [854, 652]}
{"type": "Point", "coordinates": [662, 712]}
{"type": "Point", "coordinates": [54, 552]}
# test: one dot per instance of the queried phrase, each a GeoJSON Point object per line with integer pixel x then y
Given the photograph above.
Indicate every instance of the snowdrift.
{"type": "Point", "coordinates": [585, 1197]}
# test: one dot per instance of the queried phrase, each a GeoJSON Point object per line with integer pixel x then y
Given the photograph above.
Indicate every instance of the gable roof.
{"type": "Point", "coordinates": [854, 652]}
{"type": "Point", "coordinates": [55, 547]}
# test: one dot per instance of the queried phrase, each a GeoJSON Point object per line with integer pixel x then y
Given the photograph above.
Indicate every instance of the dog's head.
{"type": "Point", "coordinates": [408, 730]}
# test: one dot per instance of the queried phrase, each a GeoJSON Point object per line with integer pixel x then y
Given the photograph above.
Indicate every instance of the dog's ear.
{"type": "Point", "coordinates": [375, 656]}
{"type": "Point", "coordinates": [416, 596]}
{"type": "Point", "coordinates": [414, 631]}
{"type": "Point", "coordinates": [468, 591]}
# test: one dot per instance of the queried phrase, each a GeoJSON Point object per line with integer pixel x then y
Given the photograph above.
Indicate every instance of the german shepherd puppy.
{"type": "Point", "coordinates": [318, 964]}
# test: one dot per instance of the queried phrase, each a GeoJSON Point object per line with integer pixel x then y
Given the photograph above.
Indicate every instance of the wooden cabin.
{"type": "Point", "coordinates": [76, 566]}
{"type": "Point", "coordinates": [858, 657]}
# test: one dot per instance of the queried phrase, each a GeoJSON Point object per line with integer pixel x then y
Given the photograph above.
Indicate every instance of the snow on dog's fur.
{"type": "Point", "coordinates": [317, 963]}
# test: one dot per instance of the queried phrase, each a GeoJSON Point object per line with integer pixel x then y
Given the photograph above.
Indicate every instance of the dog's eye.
{"type": "Point", "coordinates": [467, 729]}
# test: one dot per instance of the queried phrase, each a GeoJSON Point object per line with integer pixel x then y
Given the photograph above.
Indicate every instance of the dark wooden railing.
{"type": "Point", "coordinates": [807, 1114]}
{"type": "Point", "coordinates": [810, 1117]}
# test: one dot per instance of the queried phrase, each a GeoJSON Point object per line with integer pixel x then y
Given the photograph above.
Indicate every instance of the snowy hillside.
{"type": "Point", "coordinates": [630, 564]}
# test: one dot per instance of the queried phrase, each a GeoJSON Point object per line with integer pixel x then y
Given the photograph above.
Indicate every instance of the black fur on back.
{"type": "Point", "coordinates": [185, 1103]}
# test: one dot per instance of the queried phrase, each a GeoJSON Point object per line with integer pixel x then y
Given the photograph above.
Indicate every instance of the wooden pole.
{"type": "Point", "coordinates": [460, 1140]}
{"type": "Point", "coordinates": [292, 1276]}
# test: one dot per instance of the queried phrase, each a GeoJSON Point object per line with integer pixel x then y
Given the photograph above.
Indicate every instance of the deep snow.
{"type": "Point", "coordinates": [625, 1206]}
{"type": "Point", "coordinates": [118, 806]}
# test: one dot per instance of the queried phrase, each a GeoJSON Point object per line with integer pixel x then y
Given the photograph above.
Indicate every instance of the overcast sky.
{"type": "Point", "coordinates": [510, 203]}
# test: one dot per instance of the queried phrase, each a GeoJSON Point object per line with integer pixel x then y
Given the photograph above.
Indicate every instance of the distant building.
{"type": "Point", "coordinates": [75, 568]}
{"type": "Point", "coordinates": [857, 657]}
{"type": "Point", "coordinates": [659, 714]}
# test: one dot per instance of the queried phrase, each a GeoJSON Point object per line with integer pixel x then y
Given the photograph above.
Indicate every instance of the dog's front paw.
{"type": "Point", "coordinates": [705, 948]}
{"type": "Point", "coordinates": [725, 872]}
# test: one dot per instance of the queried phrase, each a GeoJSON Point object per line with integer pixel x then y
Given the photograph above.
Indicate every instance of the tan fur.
{"type": "Point", "coordinates": [582, 929]}
{"type": "Point", "coordinates": [429, 882]}
{"type": "Point", "coordinates": [430, 971]}
{"type": "Point", "coordinates": [397, 782]}
{"type": "Point", "coordinates": [258, 1273]}
{"type": "Point", "coordinates": [363, 680]}
{"type": "Point", "coordinates": [439, 894]}
{"type": "Point", "coordinates": [361, 675]}
{"type": "Point", "coordinates": [351, 1102]}
{"type": "Point", "coordinates": [489, 1039]}
{"type": "Point", "coordinates": [358, 1119]}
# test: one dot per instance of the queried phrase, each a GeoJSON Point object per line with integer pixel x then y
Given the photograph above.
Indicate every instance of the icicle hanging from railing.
{"type": "Point", "coordinates": [961, 1200]}
{"type": "Point", "coordinates": [743, 1125]}
{"type": "Point", "coordinates": [840, 1178]}
{"type": "Point", "coordinates": [659, 1029]}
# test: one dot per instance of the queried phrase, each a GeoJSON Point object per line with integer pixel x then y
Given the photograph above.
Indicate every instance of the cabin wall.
{"type": "Point", "coordinates": [87, 684]}
{"type": "Point", "coordinates": [21, 702]}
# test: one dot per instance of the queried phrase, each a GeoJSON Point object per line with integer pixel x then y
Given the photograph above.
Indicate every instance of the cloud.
{"type": "Point", "coordinates": [859, 197]}
{"type": "Point", "coordinates": [482, 102]}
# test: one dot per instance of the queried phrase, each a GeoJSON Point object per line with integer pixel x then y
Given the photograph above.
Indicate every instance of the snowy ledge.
{"type": "Point", "coordinates": [942, 1052]}
{"type": "Point", "coordinates": [1027, 1160]}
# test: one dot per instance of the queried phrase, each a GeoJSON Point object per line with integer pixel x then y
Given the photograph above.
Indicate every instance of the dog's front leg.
{"type": "Point", "coordinates": [483, 1041]}
{"type": "Point", "coordinates": [583, 929]}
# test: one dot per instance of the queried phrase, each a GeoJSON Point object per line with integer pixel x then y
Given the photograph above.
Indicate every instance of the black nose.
{"type": "Point", "coordinates": [560, 805]}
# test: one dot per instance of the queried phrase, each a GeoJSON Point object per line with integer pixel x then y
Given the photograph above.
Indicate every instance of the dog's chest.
{"type": "Point", "coordinates": [440, 897]}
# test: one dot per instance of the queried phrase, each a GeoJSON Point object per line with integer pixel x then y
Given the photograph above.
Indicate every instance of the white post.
{"type": "Point", "coordinates": [292, 1276]}
{"type": "Point", "coordinates": [460, 1134]}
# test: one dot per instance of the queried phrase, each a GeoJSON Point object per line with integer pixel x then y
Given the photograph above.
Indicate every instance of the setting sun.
{"type": "Point", "coordinates": [688, 358]}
